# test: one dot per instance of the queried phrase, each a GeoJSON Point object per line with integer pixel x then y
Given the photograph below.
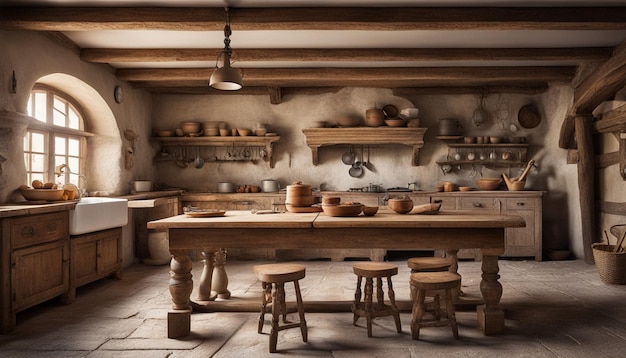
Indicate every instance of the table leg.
{"type": "Point", "coordinates": [454, 268]}
{"type": "Point", "coordinates": [206, 279]}
{"type": "Point", "coordinates": [181, 285]}
{"type": "Point", "coordinates": [490, 315]}
{"type": "Point", "coordinates": [220, 278]}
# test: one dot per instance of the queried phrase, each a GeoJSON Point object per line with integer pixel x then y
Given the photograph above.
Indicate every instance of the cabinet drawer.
{"type": "Point", "coordinates": [36, 229]}
{"type": "Point", "coordinates": [478, 203]}
{"type": "Point", "coordinates": [447, 203]}
{"type": "Point", "coordinates": [520, 204]}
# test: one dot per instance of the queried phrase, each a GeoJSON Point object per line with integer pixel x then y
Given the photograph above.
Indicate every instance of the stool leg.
{"type": "Point", "coordinates": [380, 295]}
{"type": "Point", "coordinates": [437, 305]}
{"type": "Point", "coordinates": [265, 296]}
{"type": "Point", "coordinates": [300, 307]}
{"type": "Point", "coordinates": [357, 299]}
{"type": "Point", "coordinates": [276, 311]}
{"type": "Point", "coordinates": [451, 315]}
{"type": "Point", "coordinates": [394, 308]}
{"type": "Point", "coordinates": [369, 292]}
{"type": "Point", "coordinates": [417, 314]}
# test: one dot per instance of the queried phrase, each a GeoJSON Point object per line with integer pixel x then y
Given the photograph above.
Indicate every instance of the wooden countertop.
{"type": "Point", "coordinates": [10, 210]}
{"type": "Point", "coordinates": [245, 219]}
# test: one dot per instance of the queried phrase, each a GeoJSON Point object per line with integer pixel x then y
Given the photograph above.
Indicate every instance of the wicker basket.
{"type": "Point", "coordinates": [611, 265]}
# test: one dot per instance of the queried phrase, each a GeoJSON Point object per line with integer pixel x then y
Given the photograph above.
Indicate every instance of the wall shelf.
{"type": "Point", "coordinates": [320, 137]}
{"type": "Point", "coordinates": [518, 153]}
{"type": "Point", "coordinates": [267, 142]}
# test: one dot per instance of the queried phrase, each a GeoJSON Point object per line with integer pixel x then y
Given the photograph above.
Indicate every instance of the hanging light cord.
{"type": "Point", "coordinates": [227, 32]}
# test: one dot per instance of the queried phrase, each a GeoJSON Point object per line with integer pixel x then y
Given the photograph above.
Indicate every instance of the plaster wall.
{"type": "Point", "coordinates": [390, 164]}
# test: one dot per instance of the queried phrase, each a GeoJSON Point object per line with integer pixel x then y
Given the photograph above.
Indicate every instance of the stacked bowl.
{"type": "Point", "coordinates": [299, 198]}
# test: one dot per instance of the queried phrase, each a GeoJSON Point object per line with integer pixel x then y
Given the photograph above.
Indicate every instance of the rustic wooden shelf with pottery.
{"type": "Point", "coordinates": [517, 154]}
{"type": "Point", "coordinates": [320, 137]}
{"type": "Point", "coordinates": [226, 141]}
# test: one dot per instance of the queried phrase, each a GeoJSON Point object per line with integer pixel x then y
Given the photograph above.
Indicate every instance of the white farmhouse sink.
{"type": "Point", "coordinates": [97, 213]}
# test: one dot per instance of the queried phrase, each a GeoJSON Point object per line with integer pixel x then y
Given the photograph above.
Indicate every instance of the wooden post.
{"type": "Point", "coordinates": [586, 181]}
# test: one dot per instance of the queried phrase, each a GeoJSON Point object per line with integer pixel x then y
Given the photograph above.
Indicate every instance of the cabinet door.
{"type": "Point", "coordinates": [524, 241]}
{"type": "Point", "coordinates": [110, 252]}
{"type": "Point", "coordinates": [84, 261]}
{"type": "Point", "coordinates": [39, 273]}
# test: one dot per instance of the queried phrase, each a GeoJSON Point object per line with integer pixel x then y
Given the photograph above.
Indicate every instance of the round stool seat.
{"type": "Point", "coordinates": [374, 269]}
{"type": "Point", "coordinates": [429, 263]}
{"type": "Point", "coordinates": [280, 273]}
{"type": "Point", "coordinates": [435, 280]}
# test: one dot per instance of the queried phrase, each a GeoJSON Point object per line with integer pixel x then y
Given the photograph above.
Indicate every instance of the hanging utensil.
{"type": "Point", "coordinates": [480, 116]}
{"type": "Point", "coordinates": [198, 162]}
{"type": "Point", "coordinates": [348, 157]}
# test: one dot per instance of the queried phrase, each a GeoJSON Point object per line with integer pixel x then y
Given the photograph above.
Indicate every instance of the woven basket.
{"type": "Point", "coordinates": [611, 265]}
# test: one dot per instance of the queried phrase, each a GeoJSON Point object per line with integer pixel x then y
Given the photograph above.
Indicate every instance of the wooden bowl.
{"type": "Point", "coordinates": [332, 200]}
{"type": "Point", "coordinates": [395, 122]}
{"type": "Point", "coordinates": [400, 206]}
{"type": "Point", "coordinates": [244, 132]}
{"type": "Point", "coordinates": [42, 194]}
{"type": "Point", "coordinates": [342, 209]}
{"type": "Point", "coordinates": [370, 210]}
{"type": "Point", "coordinates": [488, 184]}
{"type": "Point", "coordinates": [190, 127]}
{"type": "Point", "coordinates": [516, 185]}
{"type": "Point", "coordinates": [465, 188]}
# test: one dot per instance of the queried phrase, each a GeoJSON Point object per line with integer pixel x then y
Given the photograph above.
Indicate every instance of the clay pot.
{"type": "Point", "coordinates": [299, 195]}
{"type": "Point", "coordinates": [374, 117]}
{"type": "Point", "coordinates": [401, 206]}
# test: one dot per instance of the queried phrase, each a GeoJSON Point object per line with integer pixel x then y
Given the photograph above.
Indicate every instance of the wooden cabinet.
{"type": "Point", "coordinates": [95, 256]}
{"type": "Point", "coordinates": [34, 262]}
{"type": "Point", "coordinates": [520, 242]}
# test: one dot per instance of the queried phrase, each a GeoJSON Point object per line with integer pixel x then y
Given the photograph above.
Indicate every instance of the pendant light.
{"type": "Point", "coordinates": [226, 78]}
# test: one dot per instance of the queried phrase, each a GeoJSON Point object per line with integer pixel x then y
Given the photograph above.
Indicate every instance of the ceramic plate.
{"type": "Point", "coordinates": [205, 214]}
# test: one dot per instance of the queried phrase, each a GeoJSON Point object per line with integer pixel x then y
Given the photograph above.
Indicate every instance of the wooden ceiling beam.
{"type": "Point", "coordinates": [336, 18]}
{"type": "Point", "coordinates": [323, 75]}
{"type": "Point", "coordinates": [103, 55]}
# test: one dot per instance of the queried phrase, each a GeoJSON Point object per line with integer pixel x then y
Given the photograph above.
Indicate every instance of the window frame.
{"type": "Point", "coordinates": [51, 132]}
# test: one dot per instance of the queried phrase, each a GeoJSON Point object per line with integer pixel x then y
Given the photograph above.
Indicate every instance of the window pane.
{"type": "Point", "coordinates": [74, 119]}
{"type": "Point", "coordinates": [40, 106]}
{"type": "Point", "coordinates": [37, 162]}
{"type": "Point", "coordinates": [36, 176]}
{"type": "Point", "coordinates": [73, 147]}
{"type": "Point", "coordinates": [74, 164]}
{"type": "Point", "coordinates": [58, 118]}
{"type": "Point", "coordinates": [59, 146]}
{"type": "Point", "coordinates": [59, 104]}
{"type": "Point", "coordinates": [38, 143]}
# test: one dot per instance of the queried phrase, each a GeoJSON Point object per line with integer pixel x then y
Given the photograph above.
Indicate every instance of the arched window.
{"type": "Point", "coordinates": [55, 147]}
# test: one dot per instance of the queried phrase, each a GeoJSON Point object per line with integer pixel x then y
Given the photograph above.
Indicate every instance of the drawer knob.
{"type": "Point", "coordinates": [437, 201]}
{"type": "Point", "coordinates": [52, 227]}
{"type": "Point", "coordinates": [520, 204]}
{"type": "Point", "coordinates": [28, 231]}
{"type": "Point", "coordinates": [478, 205]}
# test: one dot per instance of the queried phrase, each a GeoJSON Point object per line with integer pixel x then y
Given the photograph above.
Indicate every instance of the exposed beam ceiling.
{"type": "Point", "coordinates": [283, 50]}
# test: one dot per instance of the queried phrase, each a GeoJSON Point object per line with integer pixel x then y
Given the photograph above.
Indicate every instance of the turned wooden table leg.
{"type": "Point", "coordinates": [181, 285]}
{"type": "Point", "coordinates": [490, 315]}
{"type": "Point", "coordinates": [206, 279]}
{"type": "Point", "coordinates": [220, 278]}
{"type": "Point", "coordinates": [454, 268]}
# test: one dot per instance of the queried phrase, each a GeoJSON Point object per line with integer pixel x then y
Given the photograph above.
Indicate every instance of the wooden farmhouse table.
{"type": "Point", "coordinates": [448, 231]}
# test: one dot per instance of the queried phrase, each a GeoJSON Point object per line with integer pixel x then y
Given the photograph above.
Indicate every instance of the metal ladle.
{"type": "Point", "coordinates": [198, 162]}
{"type": "Point", "coordinates": [348, 157]}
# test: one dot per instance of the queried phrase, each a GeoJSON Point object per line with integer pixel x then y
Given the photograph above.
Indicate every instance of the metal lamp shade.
{"type": "Point", "coordinates": [226, 78]}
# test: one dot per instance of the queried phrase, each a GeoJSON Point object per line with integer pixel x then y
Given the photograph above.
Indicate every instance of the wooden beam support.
{"type": "Point", "coordinates": [416, 91]}
{"type": "Point", "coordinates": [391, 77]}
{"type": "Point", "coordinates": [109, 55]}
{"type": "Point", "coordinates": [613, 208]}
{"type": "Point", "coordinates": [337, 18]}
{"type": "Point", "coordinates": [586, 183]}
{"type": "Point", "coordinates": [612, 121]}
{"type": "Point", "coordinates": [275, 95]}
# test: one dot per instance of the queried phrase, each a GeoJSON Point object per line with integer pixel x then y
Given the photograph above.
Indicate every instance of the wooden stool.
{"type": "Point", "coordinates": [367, 308]}
{"type": "Point", "coordinates": [427, 264]}
{"type": "Point", "coordinates": [433, 281]}
{"type": "Point", "coordinates": [276, 275]}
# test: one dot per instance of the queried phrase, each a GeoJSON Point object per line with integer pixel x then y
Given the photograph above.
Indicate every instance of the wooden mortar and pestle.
{"type": "Point", "coordinates": [517, 184]}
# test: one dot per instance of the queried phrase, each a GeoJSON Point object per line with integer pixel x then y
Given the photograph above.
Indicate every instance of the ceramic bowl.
{"type": "Point", "coordinates": [42, 194]}
{"type": "Point", "coordinates": [465, 188]}
{"type": "Point", "coordinates": [370, 210]}
{"type": "Point", "coordinates": [400, 206]}
{"type": "Point", "coordinates": [244, 132]}
{"type": "Point", "coordinates": [495, 140]}
{"type": "Point", "coordinates": [409, 113]}
{"type": "Point", "coordinates": [332, 200]}
{"type": "Point", "coordinates": [348, 121]}
{"type": "Point", "coordinates": [190, 127]}
{"type": "Point", "coordinates": [488, 183]}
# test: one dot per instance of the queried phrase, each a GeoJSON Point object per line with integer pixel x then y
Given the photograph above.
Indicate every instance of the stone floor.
{"type": "Point", "coordinates": [553, 309]}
